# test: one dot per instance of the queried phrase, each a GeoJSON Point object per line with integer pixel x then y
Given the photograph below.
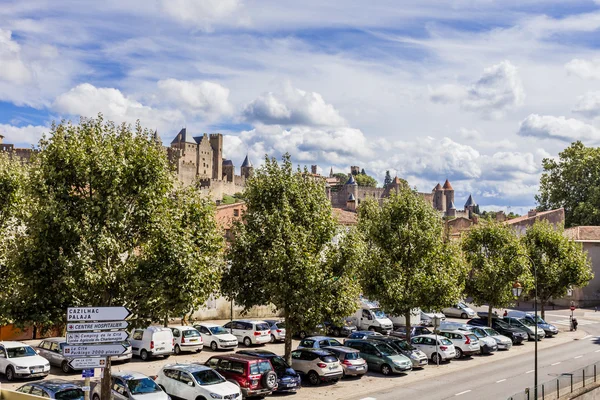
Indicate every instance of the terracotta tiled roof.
{"type": "Point", "coordinates": [538, 215]}
{"type": "Point", "coordinates": [344, 217]}
{"type": "Point", "coordinates": [438, 187]}
{"type": "Point", "coordinates": [583, 233]}
{"type": "Point", "coordinates": [447, 185]}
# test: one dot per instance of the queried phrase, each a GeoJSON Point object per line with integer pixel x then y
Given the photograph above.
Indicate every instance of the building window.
{"type": "Point", "coordinates": [236, 212]}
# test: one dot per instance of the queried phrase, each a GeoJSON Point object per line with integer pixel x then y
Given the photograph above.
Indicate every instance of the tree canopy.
{"type": "Point", "coordinates": [365, 180]}
{"type": "Point", "coordinates": [289, 252]}
{"type": "Point", "coordinates": [388, 179]}
{"type": "Point", "coordinates": [409, 264]}
{"type": "Point", "coordinates": [572, 182]}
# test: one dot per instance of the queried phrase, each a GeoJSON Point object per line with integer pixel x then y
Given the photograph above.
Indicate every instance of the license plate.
{"type": "Point", "coordinates": [292, 385]}
{"type": "Point", "coordinates": [423, 361]}
{"type": "Point", "coordinates": [193, 340]}
{"type": "Point", "coordinates": [359, 368]}
{"type": "Point", "coordinates": [333, 367]}
{"type": "Point", "coordinates": [160, 348]}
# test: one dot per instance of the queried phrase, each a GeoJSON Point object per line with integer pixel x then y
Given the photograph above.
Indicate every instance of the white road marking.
{"type": "Point", "coordinates": [501, 380]}
{"type": "Point", "coordinates": [556, 363]}
{"type": "Point", "coordinates": [567, 322]}
{"type": "Point", "coordinates": [586, 337]}
{"type": "Point", "coordinates": [466, 391]}
{"type": "Point", "coordinates": [530, 371]}
{"type": "Point", "coordinates": [368, 398]}
{"type": "Point", "coordinates": [575, 358]}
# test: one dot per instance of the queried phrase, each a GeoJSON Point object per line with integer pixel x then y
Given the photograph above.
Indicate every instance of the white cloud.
{"type": "Point", "coordinates": [448, 93]}
{"type": "Point", "coordinates": [87, 100]}
{"type": "Point", "coordinates": [588, 105]}
{"type": "Point", "coordinates": [560, 128]}
{"type": "Point", "coordinates": [23, 135]}
{"type": "Point", "coordinates": [584, 69]}
{"type": "Point", "coordinates": [293, 106]}
{"type": "Point", "coordinates": [200, 13]}
{"type": "Point", "coordinates": [209, 99]}
{"type": "Point", "coordinates": [12, 68]}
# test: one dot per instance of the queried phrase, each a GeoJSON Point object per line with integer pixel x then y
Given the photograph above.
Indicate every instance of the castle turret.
{"type": "Point", "coordinates": [470, 206]}
{"type": "Point", "coordinates": [451, 212]}
{"type": "Point", "coordinates": [216, 143]}
{"type": "Point", "coordinates": [351, 202]}
{"type": "Point", "coordinates": [330, 171]}
{"type": "Point", "coordinates": [228, 170]}
{"type": "Point", "coordinates": [439, 199]}
{"type": "Point", "coordinates": [247, 168]}
{"type": "Point", "coordinates": [448, 194]}
{"type": "Point", "coordinates": [351, 187]}
{"type": "Point", "coordinates": [355, 170]}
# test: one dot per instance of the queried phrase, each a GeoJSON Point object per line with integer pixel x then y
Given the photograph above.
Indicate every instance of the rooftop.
{"type": "Point", "coordinates": [447, 185]}
{"type": "Point", "coordinates": [344, 217]}
{"type": "Point", "coordinates": [583, 233]}
{"type": "Point", "coordinates": [537, 215]}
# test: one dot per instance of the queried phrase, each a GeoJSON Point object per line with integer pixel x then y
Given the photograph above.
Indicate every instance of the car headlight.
{"type": "Point", "coordinates": [22, 368]}
{"type": "Point", "coordinates": [216, 396]}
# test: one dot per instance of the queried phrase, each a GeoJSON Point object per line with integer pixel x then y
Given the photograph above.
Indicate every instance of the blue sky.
{"type": "Point", "coordinates": [477, 91]}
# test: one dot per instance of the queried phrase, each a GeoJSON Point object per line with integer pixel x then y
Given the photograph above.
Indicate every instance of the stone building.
{"type": "Point", "coordinates": [24, 154]}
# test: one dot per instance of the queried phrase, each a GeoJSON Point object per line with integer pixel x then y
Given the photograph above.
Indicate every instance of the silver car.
{"type": "Point", "coordinates": [504, 342]}
{"type": "Point", "coordinates": [52, 350]}
{"type": "Point", "coordinates": [352, 363]}
{"type": "Point", "coordinates": [277, 330]}
{"type": "Point", "coordinates": [459, 310]}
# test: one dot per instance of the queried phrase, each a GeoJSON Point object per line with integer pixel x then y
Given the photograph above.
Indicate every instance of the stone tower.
{"type": "Point", "coordinates": [228, 170]}
{"type": "Point", "coordinates": [448, 194]}
{"type": "Point", "coordinates": [247, 168]}
{"type": "Point", "coordinates": [351, 203]}
{"type": "Point", "coordinates": [439, 199]}
{"type": "Point", "coordinates": [351, 188]}
{"type": "Point", "coordinates": [470, 206]}
{"type": "Point", "coordinates": [355, 170]}
{"type": "Point", "coordinates": [216, 143]}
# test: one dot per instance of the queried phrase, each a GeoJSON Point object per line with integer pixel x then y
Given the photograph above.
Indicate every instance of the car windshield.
{"type": "Point", "coordinates": [352, 356]}
{"type": "Point", "coordinates": [472, 337]}
{"type": "Point", "coordinates": [403, 344]}
{"type": "Point", "coordinates": [142, 386]}
{"type": "Point", "coordinates": [333, 342]}
{"type": "Point", "coordinates": [281, 325]}
{"type": "Point", "coordinates": [218, 330]}
{"type": "Point", "coordinates": [260, 367]}
{"type": "Point", "coordinates": [279, 362]}
{"type": "Point", "coordinates": [478, 333]}
{"type": "Point", "coordinates": [379, 314]}
{"type": "Point", "coordinates": [69, 394]}
{"type": "Point", "coordinates": [191, 333]}
{"type": "Point", "coordinates": [208, 377]}
{"type": "Point", "coordinates": [445, 341]}
{"type": "Point", "coordinates": [491, 332]}
{"type": "Point", "coordinates": [18, 352]}
{"type": "Point", "coordinates": [462, 305]}
{"type": "Point", "coordinates": [526, 322]}
{"type": "Point", "coordinates": [263, 327]}
{"type": "Point", "coordinates": [385, 349]}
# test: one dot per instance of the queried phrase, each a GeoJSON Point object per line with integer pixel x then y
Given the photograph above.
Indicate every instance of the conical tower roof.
{"type": "Point", "coordinates": [470, 202]}
{"type": "Point", "coordinates": [351, 197]}
{"type": "Point", "coordinates": [438, 187]}
{"type": "Point", "coordinates": [351, 180]}
{"type": "Point", "coordinates": [452, 206]}
{"type": "Point", "coordinates": [447, 185]}
{"type": "Point", "coordinates": [246, 162]}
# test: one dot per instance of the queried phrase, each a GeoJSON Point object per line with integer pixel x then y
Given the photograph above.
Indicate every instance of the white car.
{"type": "Point", "coordinates": [216, 336]}
{"type": "Point", "coordinates": [427, 317]}
{"type": "Point", "coordinates": [186, 338]}
{"type": "Point", "coordinates": [195, 381]}
{"type": "Point", "coordinates": [249, 331]}
{"type": "Point", "coordinates": [317, 365]}
{"type": "Point", "coordinates": [465, 343]}
{"type": "Point", "coordinates": [18, 360]}
{"type": "Point", "coordinates": [277, 330]}
{"type": "Point", "coordinates": [151, 342]}
{"type": "Point", "coordinates": [427, 344]}
{"type": "Point", "coordinates": [132, 386]}
{"type": "Point", "coordinates": [460, 310]}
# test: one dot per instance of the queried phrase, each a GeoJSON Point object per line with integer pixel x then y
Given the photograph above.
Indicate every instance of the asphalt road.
{"type": "Point", "coordinates": [503, 378]}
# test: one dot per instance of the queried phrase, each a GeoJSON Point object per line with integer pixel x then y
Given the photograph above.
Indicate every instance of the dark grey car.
{"type": "Point", "coordinates": [54, 389]}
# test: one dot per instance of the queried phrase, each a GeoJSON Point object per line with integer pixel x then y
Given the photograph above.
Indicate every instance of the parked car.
{"type": "Point", "coordinates": [338, 330]}
{"type": "Point", "coordinates": [53, 389]}
{"type": "Point", "coordinates": [186, 338]}
{"type": "Point", "coordinates": [381, 356]}
{"type": "Point", "coordinates": [249, 331]}
{"type": "Point", "coordinates": [487, 343]}
{"type": "Point", "coordinates": [288, 380]}
{"type": "Point", "coordinates": [465, 343]}
{"type": "Point", "coordinates": [417, 357]}
{"type": "Point", "coordinates": [194, 381]}
{"type": "Point", "coordinates": [517, 336]}
{"type": "Point", "coordinates": [414, 331]}
{"type": "Point", "coordinates": [549, 329]}
{"type": "Point", "coordinates": [362, 335]}
{"type": "Point", "coordinates": [52, 350]}
{"type": "Point", "coordinates": [527, 326]}
{"type": "Point", "coordinates": [316, 331]}
{"type": "Point", "coordinates": [277, 330]}
{"type": "Point", "coordinates": [132, 386]}
{"type": "Point", "coordinates": [317, 342]}
{"type": "Point", "coordinates": [444, 351]}
{"type": "Point", "coordinates": [216, 336]}
{"type": "Point", "coordinates": [317, 365]}
{"type": "Point", "coordinates": [427, 317]}
{"type": "Point", "coordinates": [504, 342]}
{"type": "Point", "coordinates": [151, 342]}
{"type": "Point", "coordinates": [255, 376]}
{"type": "Point", "coordinates": [352, 363]}
{"type": "Point", "coordinates": [18, 360]}
{"type": "Point", "coordinates": [459, 310]}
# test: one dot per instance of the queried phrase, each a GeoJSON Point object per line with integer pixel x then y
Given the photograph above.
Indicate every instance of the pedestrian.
{"type": "Point", "coordinates": [505, 313]}
{"type": "Point", "coordinates": [575, 323]}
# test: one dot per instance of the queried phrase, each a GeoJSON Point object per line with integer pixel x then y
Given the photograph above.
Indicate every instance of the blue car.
{"type": "Point", "coordinates": [54, 389]}
{"type": "Point", "coordinates": [288, 380]}
{"type": "Point", "coordinates": [549, 329]}
{"type": "Point", "coordinates": [362, 335]}
{"type": "Point", "coordinates": [318, 342]}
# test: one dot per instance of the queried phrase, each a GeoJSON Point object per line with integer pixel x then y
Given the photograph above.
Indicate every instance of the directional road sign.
{"type": "Point", "coordinates": [87, 363]}
{"type": "Point", "coordinates": [88, 314]}
{"type": "Point", "coordinates": [96, 326]}
{"type": "Point", "coordinates": [96, 337]}
{"type": "Point", "coordinates": [94, 350]}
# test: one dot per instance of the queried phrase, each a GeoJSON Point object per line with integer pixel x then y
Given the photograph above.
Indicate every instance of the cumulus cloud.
{"type": "Point", "coordinates": [22, 135]}
{"type": "Point", "coordinates": [560, 128]}
{"type": "Point", "coordinates": [202, 14]}
{"type": "Point", "coordinates": [588, 105]}
{"type": "Point", "coordinates": [293, 106]}
{"type": "Point", "coordinates": [87, 100]}
{"type": "Point", "coordinates": [209, 99]}
{"type": "Point", "coordinates": [583, 68]}
{"type": "Point", "coordinates": [498, 90]}
{"type": "Point", "coordinates": [12, 67]}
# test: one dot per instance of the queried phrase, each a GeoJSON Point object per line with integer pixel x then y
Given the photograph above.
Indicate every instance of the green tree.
{"type": "Point", "coordinates": [362, 172]}
{"type": "Point", "coordinates": [365, 180]}
{"type": "Point", "coordinates": [560, 262]}
{"type": "Point", "coordinates": [409, 264]}
{"type": "Point", "coordinates": [289, 252]}
{"type": "Point", "coordinates": [572, 182]}
{"type": "Point", "coordinates": [342, 177]}
{"type": "Point", "coordinates": [493, 254]}
{"type": "Point", "coordinates": [387, 180]}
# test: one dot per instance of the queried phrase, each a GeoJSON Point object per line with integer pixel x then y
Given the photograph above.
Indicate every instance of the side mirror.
{"type": "Point", "coordinates": [190, 383]}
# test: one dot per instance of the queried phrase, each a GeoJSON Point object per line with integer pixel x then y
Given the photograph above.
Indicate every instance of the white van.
{"type": "Point", "coordinates": [151, 342]}
{"type": "Point", "coordinates": [186, 338]}
{"type": "Point", "coordinates": [400, 320]}
{"type": "Point", "coordinates": [370, 317]}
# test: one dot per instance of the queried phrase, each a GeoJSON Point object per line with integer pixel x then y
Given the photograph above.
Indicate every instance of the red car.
{"type": "Point", "coordinates": [254, 375]}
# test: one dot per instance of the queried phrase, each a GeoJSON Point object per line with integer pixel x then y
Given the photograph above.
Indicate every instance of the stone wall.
{"type": "Point", "coordinates": [220, 308]}
{"type": "Point", "coordinates": [216, 189]}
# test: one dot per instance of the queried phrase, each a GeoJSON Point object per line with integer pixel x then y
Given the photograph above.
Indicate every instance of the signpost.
{"type": "Point", "coordinates": [96, 337]}
{"type": "Point", "coordinates": [436, 324]}
{"type": "Point", "coordinates": [87, 373]}
{"type": "Point", "coordinates": [86, 363]}
{"type": "Point", "coordinates": [96, 326]}
{"type": "Point", "coordinates": [88, 314]}
{"type": "Point", "coordinates": [94, 350]}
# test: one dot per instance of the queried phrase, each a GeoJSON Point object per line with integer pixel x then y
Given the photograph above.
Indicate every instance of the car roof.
{"type": "Point", "coordinates": [11, 343]}
{"type": "Point", "coordinates": [258, 352]}
{"type": "Point", "coordinates": [54, 384]}
{"type": "Point", "coordinates": [54, 339]}
{"type": "Point", "coordinates": [127, 375]}
{"type": "Point", "coordinates": [236, 357]}
{"type": "Point", "coordinates": [249, 320]}
{"type": "Point", "coordinates": [342, 349]}
{"type": "Point", "coordinates": [453, 331]}
{"type": "Point", "coordinates": [182, 327]}
{"type": "Point", "coordinates": [193, 367]}
{"type": "Point", "coordinates": [207, 324]}
{"type": "Point", "coordinates": [430, 336]}
{"type": "Point", "coordinates": [320, 338]}
{"type": "Point", "coordinates": [155, 328]}
{"type": "Point", "coordinates": [320, 352]}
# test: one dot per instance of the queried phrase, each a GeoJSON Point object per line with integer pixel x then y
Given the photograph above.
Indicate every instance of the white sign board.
{"type": "Point", "coordinates": [82, 314]}
{"type": "Point", "coordinates": [87, 363]}
{"type": "Point", "coordinates": [96, 326]}
{"type": "Point", "coordinates": [94, 350]}
{"type": "Point", "coordinates": [96, 337]}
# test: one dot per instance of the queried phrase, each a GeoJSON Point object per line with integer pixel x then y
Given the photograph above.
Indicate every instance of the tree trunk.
{"type": "Point", "coordinates": [289, 332]}
{"type": "Point", "coordinates": [105, 383]}
{"type": "Point", "coordinates": [542, 310]}
{"type": "Point", "coordinates": [490, 315]}
{"type": "Point", "coordinates": [407, 319]}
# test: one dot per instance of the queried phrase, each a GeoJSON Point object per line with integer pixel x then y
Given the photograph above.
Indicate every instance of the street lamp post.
{"type": "Point", "coordinates": [517, 289]}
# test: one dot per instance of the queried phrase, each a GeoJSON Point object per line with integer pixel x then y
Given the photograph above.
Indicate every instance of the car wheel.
{"type": "Point", "coordinates": [464, 316]}
{"type": "Point", "coordinates": [167, 356]}
{"type": "Point", "coordinates": [269, 380]}
{"type": "Point", "coordinates": [435, 357]}
{"type": "Point", "coordinates": [313, 378]}
{"type": "Point", "coordinates": [65, 367]}
{"type": "Point", "coordinates": [336, 332]}
{"type": "Point", "coordinates": [96, 397]}
{"type": "Point", "coordinates": [10, 374]}
{"type": "Point", "coordinates": [144, 355]}
{"type": "Point", "coordinates": [458, 354]}
{"type": "Point", "coordinates": [514, 340]}
{"type": "Point", "coordinates": [177, 350]}
{"type": "Point", "coordinates": [214, 346]}
{"type": "Point", "coordinates": [385, 369]}
{"type": "Point", "coordinates": [272, 338]}
{"type": "Point", "coordinates": [247, 342]}
{"type": "Point", "coordinates": [372, 328]}
{"type": "Point", "coordinates": [200, 398]}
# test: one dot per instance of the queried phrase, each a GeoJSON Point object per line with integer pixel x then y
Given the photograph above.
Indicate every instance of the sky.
{"type": "Point", "coordinates": [475, 91]}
